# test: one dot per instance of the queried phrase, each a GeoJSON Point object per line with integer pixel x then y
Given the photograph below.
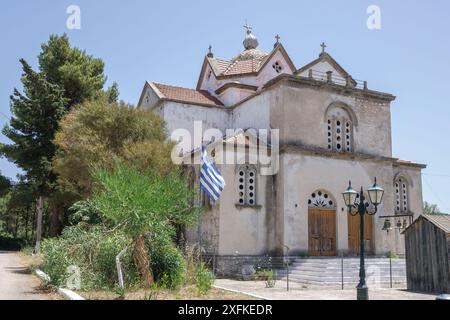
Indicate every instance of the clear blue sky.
{"type": "Point", "coordinates": [167, 40]}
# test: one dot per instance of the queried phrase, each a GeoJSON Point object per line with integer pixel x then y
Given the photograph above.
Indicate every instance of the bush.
{"type": "Point", "coordinates": [268, 276]}
{"type": "Point", "coordinates": [93, 251]}
{"type": "Point", "coordinates": [391, 255]}
{"type": "Point", "coordinates": [104, 265]}
{"type": "Point", "coordinates": [204, 279]}
{"type": "Point", "coordinates": [84, 212]}
{"type": "Point", "coordinates": [168, 265]}
{"type": "Point", "coordinates": [56, 258]}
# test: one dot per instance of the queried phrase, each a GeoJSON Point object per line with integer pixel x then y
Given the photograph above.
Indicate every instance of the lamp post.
{"type": "Point", "coordinates": [355, 200]}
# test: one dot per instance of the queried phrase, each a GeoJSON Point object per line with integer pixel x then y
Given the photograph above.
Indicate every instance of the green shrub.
{"type": "Point", "coordinates": [56, 258]}
{"type": "Point", "coordinates": [105, 262]}
{"type": "Point", "coordinates": [93, 251]}
{"type": "Point", "coordinates": [391, 255]}
{"type": "Point", "coordinates": [204, 279]}
{"type": "Point", "coordinates": [168, 265]}
{"type": "Point", "coordinates": [84, 212]}
{"type": "Point", "coordinates": [268, 276]}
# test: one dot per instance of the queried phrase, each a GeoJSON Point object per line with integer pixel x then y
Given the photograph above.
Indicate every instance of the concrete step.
{"type": "Point", "coordinates": [328, 271]}
{"type": "Point", "coordinates": [338, 276]}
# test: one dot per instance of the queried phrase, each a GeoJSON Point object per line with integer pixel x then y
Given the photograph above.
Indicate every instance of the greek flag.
{"type": "Point", "coordinates": [211, 181]}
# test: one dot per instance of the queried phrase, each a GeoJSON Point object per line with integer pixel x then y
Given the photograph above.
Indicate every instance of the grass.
{"type": "Point", "coordinates": [31, 261]}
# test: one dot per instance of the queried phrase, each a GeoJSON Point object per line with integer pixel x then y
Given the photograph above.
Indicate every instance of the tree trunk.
{"type": "Point", "coordinates": [27, 217]}
{"type": "Point", "coordinates": [142, 260]}
{"type": "Point", "coordinates": [16, 225]}
{"type": "Point", "coordinates": [39, 209]}
{"type": "Point", "coordinates": [55, 221]}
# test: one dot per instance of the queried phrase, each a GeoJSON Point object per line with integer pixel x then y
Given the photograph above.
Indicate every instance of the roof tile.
{"type": "Point", "coordinates": [188, 95]}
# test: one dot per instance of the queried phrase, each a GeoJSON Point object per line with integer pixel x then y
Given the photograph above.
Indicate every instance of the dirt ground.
{"type": "Point", "coordinates": [186, 293]}
{"type": "Point", "coordinates": [17, 281]}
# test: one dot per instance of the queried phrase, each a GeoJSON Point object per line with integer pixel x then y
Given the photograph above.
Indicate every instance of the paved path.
{"type": "Point", "coordinates": [297, 292]}
{"type": "Point", "coordinates": [16, 282]}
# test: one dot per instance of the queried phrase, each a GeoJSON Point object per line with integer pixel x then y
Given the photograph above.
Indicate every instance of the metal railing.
{"type": "Point", "coordinates": [338, 80]}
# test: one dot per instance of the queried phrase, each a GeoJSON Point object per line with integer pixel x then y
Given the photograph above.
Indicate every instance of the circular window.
{"type": "Point", "coordinates": [277, 67]}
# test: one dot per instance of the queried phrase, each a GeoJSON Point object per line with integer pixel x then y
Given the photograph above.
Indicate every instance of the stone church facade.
{"type": "Point", "coordinates": [332, 129]}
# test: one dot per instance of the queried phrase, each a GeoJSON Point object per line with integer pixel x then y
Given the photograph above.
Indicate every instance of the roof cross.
{"type": "Point", "coordinates": [210, 54]}
{"type": "Point", "coordinates": [323, 45]}
{"type": "Point", "coordinates": [277, 37]}
{"type": "Point", "coordinates": [249, 29]}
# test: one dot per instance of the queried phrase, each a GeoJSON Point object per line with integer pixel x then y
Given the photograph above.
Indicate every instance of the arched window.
{"type": "Point", "coordinates": [339, 130]}
{"type": "Point", "coordinates": [321, 199]}
{"type": "Point", "coordinates": [401, 189]}
{"type": "Point", "coordinates": [247, 185]}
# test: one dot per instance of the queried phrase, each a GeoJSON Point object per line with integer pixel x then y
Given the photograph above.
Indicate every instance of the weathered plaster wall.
{"type": "Point", "coordinates": [234, 95]}
{"type": "Point", "coordinates": [309, 173]}
{"type": "Point", "coordinates": [322, 67]}
{"type": "Point", "coordinates": [269, 72]}
{"type": "Point", "coordinates": [254, 113]}
{"type": "Point", "coordinates": [241, 230]}
{"type": "Point", "coordinates": [150, 98]}
{"type": "Point", "coordinates": [183, 116]}
{"type": "Point", "coordinates": [300, 115]}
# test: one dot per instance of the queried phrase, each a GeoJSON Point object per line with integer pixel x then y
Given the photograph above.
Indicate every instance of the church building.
{"type": "Point", "coordinates": [331, 129]}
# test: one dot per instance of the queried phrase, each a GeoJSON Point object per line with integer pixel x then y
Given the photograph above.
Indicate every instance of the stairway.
{"type": "Point", "coordinates": [328, 271]}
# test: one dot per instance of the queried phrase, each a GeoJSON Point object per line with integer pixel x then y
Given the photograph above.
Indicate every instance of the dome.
{"type": "Point", "coordinates": [250, 41]}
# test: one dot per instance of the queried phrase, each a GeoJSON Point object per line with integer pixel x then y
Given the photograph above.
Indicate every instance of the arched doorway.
{"type": "Point", "coordinates": [321, 224]}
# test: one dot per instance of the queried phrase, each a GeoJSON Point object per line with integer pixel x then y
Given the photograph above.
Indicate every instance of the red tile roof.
{"type": "Point", "coordinates": [187, 95]}
{"type": "Point", "coordinates": [249, 61]}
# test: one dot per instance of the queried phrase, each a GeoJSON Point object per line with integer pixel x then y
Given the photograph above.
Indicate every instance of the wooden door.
{"type": "Point", "coordinates": [322, 232]}
{"type": "Point", "coordinates": [353, 234]}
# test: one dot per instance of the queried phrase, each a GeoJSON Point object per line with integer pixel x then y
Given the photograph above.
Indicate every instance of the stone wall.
{"type": "Point", "coordinates": [242, 267]}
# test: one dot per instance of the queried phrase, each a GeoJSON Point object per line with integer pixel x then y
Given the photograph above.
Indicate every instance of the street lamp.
{"type": "Point", "coordinates": [353, 200]}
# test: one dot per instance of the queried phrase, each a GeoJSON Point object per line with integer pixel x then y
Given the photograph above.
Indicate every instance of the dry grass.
{"type": "Point", "coordinates": [31, 261]}
{"type": "Point", "coordinates": [186, 293]}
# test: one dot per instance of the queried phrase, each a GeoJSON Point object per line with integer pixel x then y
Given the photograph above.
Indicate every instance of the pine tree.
{"type": "Point", "coordinates": [79, 74]}
{"type": "Point", "coordinates": [36, 114]}
{"type": "Point", "coordinates": [67, 76]}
